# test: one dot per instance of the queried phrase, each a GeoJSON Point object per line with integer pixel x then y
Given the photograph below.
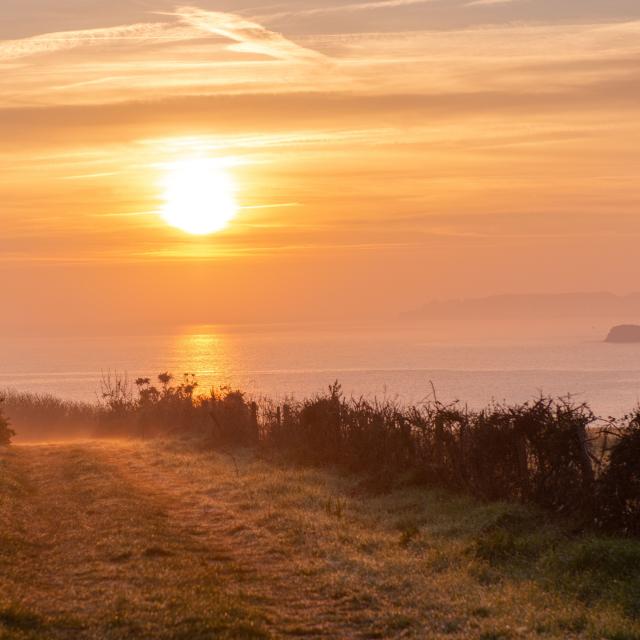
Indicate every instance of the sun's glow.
{"type": "Point", "coordinates": [199, 196]}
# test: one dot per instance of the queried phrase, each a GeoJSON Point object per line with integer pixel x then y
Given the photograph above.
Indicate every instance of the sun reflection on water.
{"type": "Point", "coordinates": [209, 353]}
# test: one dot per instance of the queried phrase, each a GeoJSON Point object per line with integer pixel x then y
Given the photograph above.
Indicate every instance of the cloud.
{"type": "Point", "coordinates": [192, 23]}
{"type": "Point", "coordinates": [489, 3]}
{"type": "Point", "coordinates": [349, 8]}
{"type": "Point", "coordinates": [54, 42]}
{"type": "Point", "coordinates": [248, 36]}
{"type": "Point", "coordinates": [195, 52]}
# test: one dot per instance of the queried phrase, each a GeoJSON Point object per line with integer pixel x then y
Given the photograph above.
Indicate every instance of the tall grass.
{"type": "Point", "coordinates": [43, 416]}
{"type": "Point", "coordinates": [552, 453]}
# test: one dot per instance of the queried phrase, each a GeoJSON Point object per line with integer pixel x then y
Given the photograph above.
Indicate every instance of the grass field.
{"type": "Point", "coordinates": [122, 539]}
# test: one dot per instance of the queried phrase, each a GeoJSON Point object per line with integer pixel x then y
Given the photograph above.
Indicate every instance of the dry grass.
{"type": "Point", "coordinates": [129, 540]}
{"type": "Point", "coordinates": [84, 554]}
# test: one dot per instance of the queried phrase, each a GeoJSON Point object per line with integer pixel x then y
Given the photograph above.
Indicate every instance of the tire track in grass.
{"type": "Point", "coordinates": [90, 555]}
{"type": "Point", "coordinates": [205, 493]}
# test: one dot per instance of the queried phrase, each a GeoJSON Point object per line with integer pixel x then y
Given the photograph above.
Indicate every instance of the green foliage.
{"type": "Point", "coordinates": [600, 568]}
{"type": "Point", "coordinates": [608, 559]}
{"type": "Point", "coordinates": [522, 543]}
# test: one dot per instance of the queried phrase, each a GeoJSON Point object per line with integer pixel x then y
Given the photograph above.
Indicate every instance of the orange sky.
{"type": "Point", "coordinates": [384, 153]}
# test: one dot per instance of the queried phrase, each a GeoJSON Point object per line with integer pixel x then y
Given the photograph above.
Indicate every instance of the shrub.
{"type": "Point", "coordinates": [536, 452]}
{"type": "Point", "coordinates": [6, 433]}
{"type": "Point", "coordinates": [165, 407]}
{"type": "Point", "coordinates": [619, 486]}
{"type": "Point", "coordinates": [234, 419]}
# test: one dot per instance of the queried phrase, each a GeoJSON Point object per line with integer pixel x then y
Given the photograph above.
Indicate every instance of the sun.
{"type": "Point", "coordinates": [199, 196]}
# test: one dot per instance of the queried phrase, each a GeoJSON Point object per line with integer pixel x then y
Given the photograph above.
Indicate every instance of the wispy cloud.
{"type": "Point", "coordinates": [247, 36]}
{"type": "Point", "coordinates": [53, 42]}
{"type": "Point", "coordinates": [205, 53]}
{"type": "Point", "coordinates": [191, 23]}
{"type": "Point", "coordinates": [347, 8]}
{"type": "Point", "coordinates": [194, 51]}
{"type": "Point", "coordinates": [90, 176]}
{"type": "Point", "coordinates": [489, 3]}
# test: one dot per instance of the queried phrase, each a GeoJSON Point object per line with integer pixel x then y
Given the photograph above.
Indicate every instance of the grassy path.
{"type": "Point", "coordinates": [86, 554]}
{"type": "Point", "coordinates": [129, 540]}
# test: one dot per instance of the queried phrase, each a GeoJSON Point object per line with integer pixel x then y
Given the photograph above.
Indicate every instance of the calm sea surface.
{"type": "Point", "coordinates": [282, 362]}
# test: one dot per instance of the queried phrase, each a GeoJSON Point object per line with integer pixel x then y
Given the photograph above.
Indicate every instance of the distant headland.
{"type": "Point", "coordinates": [624, 333]}
{"type": "Point", "coordinates": [579, 306]}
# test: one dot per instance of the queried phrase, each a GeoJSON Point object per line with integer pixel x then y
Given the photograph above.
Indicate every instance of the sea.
{"type": "Point", "coordinates": [404, 365]}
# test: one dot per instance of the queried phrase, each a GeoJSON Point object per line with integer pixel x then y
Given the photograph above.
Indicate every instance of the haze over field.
{"type": "Point", "coordinates": [319, 319]}
{"type": "Point", "coordinates": [380, 154]}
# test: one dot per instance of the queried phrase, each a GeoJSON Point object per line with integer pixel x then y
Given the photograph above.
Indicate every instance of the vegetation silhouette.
{"type": "Point", "coordinates": [45, 417]}
{"type": "Point", "coordinates": [6, 433]}
{"type": "Point", "coordinates": [550, 452]}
